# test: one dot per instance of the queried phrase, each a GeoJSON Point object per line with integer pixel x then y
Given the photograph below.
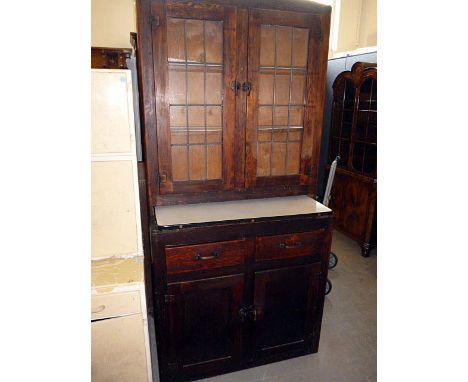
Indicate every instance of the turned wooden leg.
{"type": "Point", "coordinates": [365, 249]}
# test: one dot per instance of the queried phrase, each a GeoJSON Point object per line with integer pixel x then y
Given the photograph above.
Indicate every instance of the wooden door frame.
{"type": "Point", "coordinates": [159, 32]}
{"type": "Point", "coordinates": [318, 26]}
{"type": "Point", "coordinates": [236, 283]}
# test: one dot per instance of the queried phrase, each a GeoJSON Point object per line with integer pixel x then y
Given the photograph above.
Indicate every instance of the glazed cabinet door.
{"type": "Point", "coordinates": [286, 302]}
{"type": "Point", "coordinates": [286, 69]}
{"type": "Point", "coordinates": [195, 58]}
{"type": "Point", "coordinates": [204, 328]}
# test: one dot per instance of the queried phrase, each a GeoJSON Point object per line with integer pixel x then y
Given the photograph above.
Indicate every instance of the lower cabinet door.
{"type": "Point", "coordinates": [204, 325]}
{"type": "Point", "coordinates": [286, 303]}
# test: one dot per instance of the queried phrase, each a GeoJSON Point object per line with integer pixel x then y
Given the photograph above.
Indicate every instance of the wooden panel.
{"type": "Point", "coordinates": [204, 326]}
{"type": "Point", "coordinates": [115, 304]}
{"type": "Point", "coordinates": [353, 202]}
{"type": "Point", "coordinates": [207, 256]}
{"type": "Point", "coordinates": [118, 350]}
{"type": "Point", "coordinates": [113, 219]}
{"type": "Point", "coordinates": [291, 245]}
{"type": "Point", "coordinates": [110, 114]}
{"type": "Point", "coordinates": [286, 301]}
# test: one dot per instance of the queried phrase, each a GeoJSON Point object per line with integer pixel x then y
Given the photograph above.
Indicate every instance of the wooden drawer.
{"type": "Point", "coordinates": [290, 245]}
{"type": "Point", "coordinates": [200, 257]}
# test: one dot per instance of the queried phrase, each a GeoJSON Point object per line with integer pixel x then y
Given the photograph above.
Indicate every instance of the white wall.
{"type": "Point", "coordinates": [113, 20]}
{"type": "Point", "coordinates": [357, 27]}
{"type": "Point", "coordinates": [111, 23]}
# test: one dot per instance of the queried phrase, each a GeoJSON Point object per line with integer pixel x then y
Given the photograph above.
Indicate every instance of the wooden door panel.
{"type": "Point", "coordinates": [195, 62]}
{"type": "Point", "coordinates": [287, 60]}
{"type": "Point", "coordinates": [286, 301]}
{"type": "Point", "coordinates": [203, 323]}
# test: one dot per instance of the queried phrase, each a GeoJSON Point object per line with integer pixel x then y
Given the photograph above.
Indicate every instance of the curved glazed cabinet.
{"type": "Point", "coordinates": [353, 136]}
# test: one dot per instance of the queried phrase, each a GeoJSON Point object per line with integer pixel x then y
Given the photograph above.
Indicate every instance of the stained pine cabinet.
{"type": "Point", "coordinates": [232, 106]}
{"type": "Point", "coordinates": [233, 95]}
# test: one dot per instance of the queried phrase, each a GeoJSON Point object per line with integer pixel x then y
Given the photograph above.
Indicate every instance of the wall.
{"type": "Point", "coordinates": [113, 20]}
{"type": "Point", "coordinates": [357, 25]}
{"type": "Point", "coordinates": [111, 23]}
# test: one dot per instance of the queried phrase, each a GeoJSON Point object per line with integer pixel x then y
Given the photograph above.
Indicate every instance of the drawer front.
{"type": "Point", "coordinates": [200, 257]}
{"type": "Point", "coordinates": [290, 245]}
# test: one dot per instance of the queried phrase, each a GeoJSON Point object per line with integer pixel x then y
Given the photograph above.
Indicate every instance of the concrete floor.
{"type": "Point", "coordinates": [348, 343]}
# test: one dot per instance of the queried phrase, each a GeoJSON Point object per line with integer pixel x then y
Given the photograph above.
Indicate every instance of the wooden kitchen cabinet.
{"type": "Point", "coordinates": [232, 107]}
{"type": "Point", "coordinates": [240, 289]}
{"type": "Point", "coordinates": [233, 95]}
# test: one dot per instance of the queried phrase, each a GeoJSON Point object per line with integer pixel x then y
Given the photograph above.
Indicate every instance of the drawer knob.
{"type": "Point", "coordinates": [200, 257]}
{"type": "Point", "coordinates": [297, 244]}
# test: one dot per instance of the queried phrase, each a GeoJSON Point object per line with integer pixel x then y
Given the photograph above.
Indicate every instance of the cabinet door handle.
{"type": "Point", "coordinates": [297, 244]}
{"type": "Point", "coordinates": [247, 87]}
{"type": "Point", "coordinates": [200, 257]}
{"type": "Point", "coordinates": [235, 86]}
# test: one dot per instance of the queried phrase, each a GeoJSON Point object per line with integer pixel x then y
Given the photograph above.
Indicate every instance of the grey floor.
{"type": "Point", "coordinates": [348, 343]}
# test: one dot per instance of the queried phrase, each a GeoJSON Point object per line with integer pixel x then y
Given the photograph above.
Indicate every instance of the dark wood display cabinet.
{"type": "Point", "coordinates": [353, 136]}
{"type": "Point", "coordinates": [232, 107]}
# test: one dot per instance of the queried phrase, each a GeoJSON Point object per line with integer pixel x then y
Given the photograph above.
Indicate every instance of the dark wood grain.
{"type": "Point", "coordinates": [294, 290]}
{"type": "Point", "coordinates": [204, 325]}
{"type": "Point", "coordinates": [109, 58]}
{"type": "Point", "coordinates": [199, 257]}
{"type": "Point", "coordinates": [290, 245]}
{"type": "Point", "coordinates": [171, 357]}
{"type": "Point", "coordinates": [146, 89]}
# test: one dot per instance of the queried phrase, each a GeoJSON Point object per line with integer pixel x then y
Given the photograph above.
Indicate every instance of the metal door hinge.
{"type": "Point", "coordinates": [169, 298]}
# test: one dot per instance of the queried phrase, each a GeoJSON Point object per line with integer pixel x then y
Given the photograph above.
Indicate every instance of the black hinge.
{"type": "Point", "coordinates": [169, 298]}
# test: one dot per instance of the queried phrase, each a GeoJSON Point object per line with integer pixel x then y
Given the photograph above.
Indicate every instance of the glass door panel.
{"type": "Point", "coordinates": [195, 59]}
{"type": "Point", "coordinates": [195, 62]}
{"type": "Point", "coordinates": [281, 99]}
